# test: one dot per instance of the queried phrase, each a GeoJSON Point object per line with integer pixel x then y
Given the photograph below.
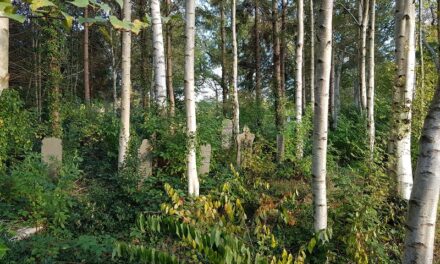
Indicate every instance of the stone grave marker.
{"type": "Point", "coordinates": [52, 154]}
{"type": "Point", "coordinates": [245, 141]}
{"type": "Point", "coordinates": [226, 133]}
{"type": "Point", "coordinates": [145, 158]}
{"type": "Point", "coordinates": [205, 151]}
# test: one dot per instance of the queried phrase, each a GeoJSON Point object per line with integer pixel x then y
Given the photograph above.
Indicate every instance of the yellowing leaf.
{"type": "Point", "coordinates": [68, 19]}
{"type": "Point", "coordinates": [37, 4]}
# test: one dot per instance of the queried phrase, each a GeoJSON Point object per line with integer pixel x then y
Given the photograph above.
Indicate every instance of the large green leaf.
{"type": "Point", "coordinates": [137, 26]}
{"type": "Point", "coordinates": [119, 24]}
{"type": "Point", "coordinates": [37, 4]}
{"type": "Point", "coordinates": [16, 17]}
{"type": "Point", "coordinates": [97, 19]}
{"type": "Point", "coordinates": [80, 3]}
{"type": "Point", "coordinates": [68, 19]}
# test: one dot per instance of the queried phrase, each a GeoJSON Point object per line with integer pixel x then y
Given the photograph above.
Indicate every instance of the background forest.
{"type": "Point", "coordinates": [335, 92]}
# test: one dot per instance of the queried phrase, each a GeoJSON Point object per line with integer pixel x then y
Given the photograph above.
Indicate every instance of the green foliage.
{"type": "Point", "coordinates": [17, 129]}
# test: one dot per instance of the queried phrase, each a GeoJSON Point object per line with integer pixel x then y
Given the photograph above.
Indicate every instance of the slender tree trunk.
{"type": "Point", "coordinates": [86, 58]}
{"type": "Point", "coordinates": [312, 56]}
{"type": "Point", "coordinates": [223, 58]}
{"type": "Point", "coordinates": [422, 210]}
{"type": "Point", "coordinates": [124, 134]}
{"type": "Point", "coordinates": [371, 81]}
{"type": "Point", "coordinates": [193, 181]}
{"type": "Point", "coordinates": [279, 99]}
{"type": "Point", "coordinates": [159, 58]}
{"type": "Point", "coordinates": [236, 107]}
{"type": "Point", "coordinates": [332, 108]}
{"type": "Point", "coordinates": [337, 100]}
{"type": "Point", "coordinates": [283, 46]}
{"type": "Point", "coordinates": [403, 94]}
{"type": "Point", "coordinates": [4, 53]}
{"type": "Point", "coordinates": [169, 66]}
{"type": "Point", "coordinates": [258, 93]}
{"type": "Point", "coordinates": [299, 73]}
{"type": "Point", "coordinates": [364, 6]}
{"type": "Point", "coordinates": [320, 122]}
{"type": "Point", "coordinates": [422, 62]}
{"type": "Point", "coordinates": [114, 77]}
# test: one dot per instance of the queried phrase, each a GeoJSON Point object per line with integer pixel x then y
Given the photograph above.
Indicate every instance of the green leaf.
{"type": "Point", "coordinates": [16, 17]}
{"type": "Point", "coordinates": [68, 19]}
{"type": "Point", "coordinates": [37, 4]}
{"type": "Point", "coordinates": [3, 250]}
{"type": "Point", "coordinates": [90, 20]}
{"type": "Point", "coordinates": [137, 26]}
{"type": "Point", "coordinates": [120, 3]}
{"type": "Point", "coordinates": [5, 6]}
{"type": "Point", "coordinates": [80, 3]}
{"type": "Point", "coordinates": [119, 24]}
{"type": "Point", "coordinates": [311, 245]}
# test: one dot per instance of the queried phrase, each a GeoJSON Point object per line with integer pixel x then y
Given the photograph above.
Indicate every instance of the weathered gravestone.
{"type": "Point", "coordinates": [226, 133]}
{"type": "Point", "coordinates": [145, 158]}
{"type": "Point", "coordinates": [52, 154]}
{"type": "Point", "coordinates": [205, 151]}
{"type": "Point", "coordinates": [244, 141]}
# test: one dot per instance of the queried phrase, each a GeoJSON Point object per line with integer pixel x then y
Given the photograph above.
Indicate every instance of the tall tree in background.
{"type": "Point", "coordinates": [193, 180]}
{"type": "Point", "coordinates": [169, 64]}
{"type": "Point", "coordinates": [86, 58]}
{"type": "Point", "coordinates": [235, 105]}
{"type": "Point", "coordinates": [299, 71]}
{"type": "Point", "coordinates": [124, 134]}
{"type": "Point", "coordinates": [363, 22]}
{"type": "Point", "coordinates": [422, 207]}
{"type": "Point", "coordinates": [371, 81]}
{"type": "Point", "coordinates": [312, 56]}
{"type": "Point", "coordinates": [159, 58]}
{"type": "Point", "coordinates": [223, 58]}
{"type": "Point", "coordinates": [258, 92]}
{"type": "Point", "coordinates": [403, 94]}
{"type": "Point", "coordinates": [283, 46]}
{"type": "Point", "coordinates": [4, 53]}
{"type": "Point", "coordinates": [320, 121]}
{"type": "Point", "coordinates": [279, 99]}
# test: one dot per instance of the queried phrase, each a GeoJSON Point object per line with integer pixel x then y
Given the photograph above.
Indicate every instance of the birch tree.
{"type": "Point", "coordinates": [403, 94]}
{"type": "Point", "coordinates": [320, 122]}
{"type": "Point", "coordinates": [371, 76]}
{"type": "Point", "coordinates": [169, 64]}
{"type": "Point", "coordinates": [236, 107]}
{"type": "Point", "coordinates": [299, 72]}
{"type": "Point", "coordinates": [159, 57]}
{"type": "Point", "coordinates": [124, 134]}
{"type": "Point", "coordinates": [223, 58]}
{"type": "Point", "coordinates": [363, 11]}
{"type": "Point", "coordinates": [191, 166]}
{"type": "Point", "coordinates": [422, 210]}
{"type": "Point", "coordinates": [4, 53]}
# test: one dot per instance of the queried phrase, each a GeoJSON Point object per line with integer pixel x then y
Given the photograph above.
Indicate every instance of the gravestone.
{"type": "Point", "coordinates": [52, 154]}
{"type": "Point", "coordinates": [145, 158]}
{"type": "Point", "coordinates": [226, 133]}
{"type": "Point", "coordinates": [205, 151]}
{"type": "Point", "coordinates": [245, 141]}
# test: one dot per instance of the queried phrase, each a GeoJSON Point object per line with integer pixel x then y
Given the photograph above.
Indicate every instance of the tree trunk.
{"type": "Point", "coordinates": [371, 81]}
{"type": "Point", "coordinates": [4, 53]}
{"type": "Point", "coordinates": [86, 58]}
{"type": "Point", "coordinates": [422, 210]}
{"type": "Point", "coordinates": [422, 63]}
{"type": "Point", "coordinates": [332, 108]}
{"type": "Point", "coordinates": [124, 134]}
{"type": "Point", "coordinates": [279, 99]}
{"type": "Point", "coordinates": [403, 95]}
{"type": "Point", "coordinates": [312, 56]}
{"type": "Point", "coordinates": [159, 58]}
{"type": "Point", "coordinates": [193, 181]}
{"type": "Point", "coordinates": [283, 46]}
{"type": "Point", "coordinates": [223, 58]}
{"type": "Point", "coordinates": [337, 97]}
{"type": "Point", "coordinates": [320, 122]}
{"type": "Point", "coordinates": [364, 11]}
{"type": "Point", "coordinates": [236, 107]}
{"type": "Point", "coordinates": [299, 73]}
{"type": "Point", "coordinates": [169, 66]}
{"type": "Point", "coordinates": [258, 93]}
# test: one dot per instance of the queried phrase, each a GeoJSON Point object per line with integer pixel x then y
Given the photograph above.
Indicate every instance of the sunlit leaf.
{"type": "Point", "coordinates": [137, 26]}
{"type": "Point", "coordinates": [37, 4]}
{"type": "Point", "coordinates": [68, 19]}
{"type": "Point", "coordinates": [16, 17]}
{"type": "Point", "coordinates": [80, 3]}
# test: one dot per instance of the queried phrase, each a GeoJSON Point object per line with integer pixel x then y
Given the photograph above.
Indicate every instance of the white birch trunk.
{"type": "Point", "coordinates": [124, 134]}
{"type": "Point", "coordinates": [422, 210]}
{"type": "Point", "coordinates": [312, 56]}
{"type": "Point", "coordinates": [299, 61]}
{"type": "Point", "coordinates": [4, 53]}
{"type": "Point", "coordinates": [363, 79]}
{"type": "Point", "coordinates": [193, 180]}
{"type": "Point", "coordinates": [320, 122]}
{"type": "Point", "coordinates": [159, 57]}
{"type": "Point", "coordinates": [236, 106]}
{"type": "Point", "coordinates": [403, 94]}
{"type": "Point", "coordinates": [371, 81]}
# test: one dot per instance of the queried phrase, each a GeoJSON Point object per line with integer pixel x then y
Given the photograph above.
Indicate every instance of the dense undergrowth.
{"type": "Point", "coordinates": [260, 213]}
